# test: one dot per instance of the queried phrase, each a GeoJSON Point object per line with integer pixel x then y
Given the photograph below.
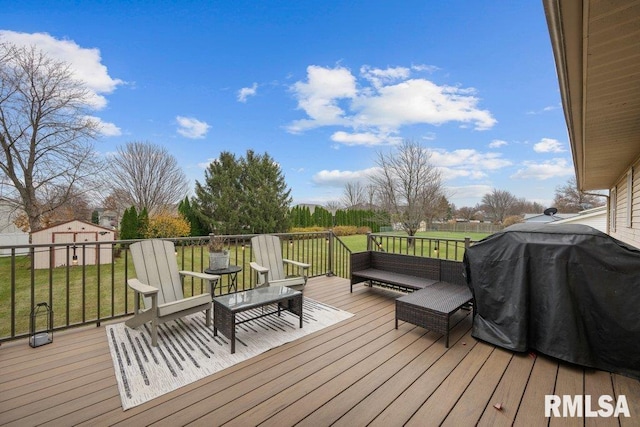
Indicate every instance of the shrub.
{"type": "Point", "coordinates": [364, 230]}
{"type": "Point", "coordinates": [513, 219]}
{"type": "Point", "coordinates": [167, 225]}
{"type": "Point", "coordinates": [345, 230]}
{"type": "Point", "coordinates": [307, 229]}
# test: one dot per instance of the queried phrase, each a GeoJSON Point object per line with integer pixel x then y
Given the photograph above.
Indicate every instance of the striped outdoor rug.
{"type": "Point", "coordinates": [187, 350]}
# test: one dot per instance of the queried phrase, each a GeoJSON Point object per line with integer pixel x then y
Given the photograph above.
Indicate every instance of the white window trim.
{"type": "Point", "coordinates": [629, 196]}
{"type": "Point", "coordinates": [613, 208]}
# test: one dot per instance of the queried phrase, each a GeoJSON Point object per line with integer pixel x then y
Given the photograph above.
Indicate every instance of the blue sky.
{"type": "Point", "coordinates": [320, 86]}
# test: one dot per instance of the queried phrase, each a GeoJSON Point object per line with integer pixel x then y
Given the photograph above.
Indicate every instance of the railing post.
{"type": "Point", "coordinates": [368, 242]}
{"type": "Point", "coordinates": [467, 242]}
{"type": "Point", "coordinates": [330, 254]}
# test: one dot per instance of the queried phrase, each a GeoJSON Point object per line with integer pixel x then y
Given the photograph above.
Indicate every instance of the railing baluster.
{"type": "Point", "coordinates": [13, 292]}
{"type": "Point", "coordinates": [113, 279]}
{"type": "Point", "coordinates": [84, 284]}
{"type": "Point", "coordinates": [70, 287]}
{"type": "Point", "coordinates": [99, 283]}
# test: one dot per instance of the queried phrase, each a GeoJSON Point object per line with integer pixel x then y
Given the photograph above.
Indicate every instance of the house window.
{"type": "Point", "coordinates": [629, 196]}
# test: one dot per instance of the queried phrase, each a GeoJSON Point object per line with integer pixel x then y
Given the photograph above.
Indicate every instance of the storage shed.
{"type": "Point", "coordinates": [77, 234]}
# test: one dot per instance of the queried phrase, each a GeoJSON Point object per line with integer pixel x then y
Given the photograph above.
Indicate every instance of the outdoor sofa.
{"type": "Point", "coordinates": [438, 287]}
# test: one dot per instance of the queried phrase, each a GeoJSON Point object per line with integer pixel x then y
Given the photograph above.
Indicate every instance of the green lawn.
{"type": "Point", "coordinates": [78, 291]}
{"type": "Point", "coordinates": [358, 243]}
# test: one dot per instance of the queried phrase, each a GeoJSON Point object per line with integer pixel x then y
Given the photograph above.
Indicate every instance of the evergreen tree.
{"type": "Point", "coordinates": [267, 198]}
{"type": "Point", "coordinates": [197, 228]}
{"type": "Point", "coordinates": [142, 224]}
{"type": "Point", "coordinates": [294, 216]}
{"type": "Point", "coordinates": [95, 217]}
{"type": "Point", "coordinates": [243, 195]}
{"type": "Point", "coordinates": [129, 224]}
{"type": "Point", "coordinates": [321, 217]}
{"type": "Point", "coordinates": [306, 217]}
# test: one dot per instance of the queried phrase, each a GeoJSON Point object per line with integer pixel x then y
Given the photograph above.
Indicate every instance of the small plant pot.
{"type": "Point", "coordinates": [218, 260]}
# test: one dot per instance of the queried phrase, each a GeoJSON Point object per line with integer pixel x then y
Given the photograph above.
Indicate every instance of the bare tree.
{"type": "Point", "coordinates": [499, 204]}
{"type": "Point", "coordinates": [408, 185]}
{"type": "Point", "coordinates": [146, 175]}
{"type": "Point", "coordinates": [354, 195]}
{"type": "Point", "coordinates": [46, 137]}
{"type": "Point", "coordinates": [332, 206]}
{"type": "Point", "coordinates": [466, 212]}
{"type": "Point", "coordinates": [569, 199]}
{"type": "Point", "coordinates": [371, 195]}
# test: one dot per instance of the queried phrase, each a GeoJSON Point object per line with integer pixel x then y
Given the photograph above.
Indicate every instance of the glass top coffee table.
{"type": "Point", "coordinates": [226, 307]}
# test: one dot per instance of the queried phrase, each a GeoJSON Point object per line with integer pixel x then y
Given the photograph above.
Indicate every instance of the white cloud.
{"type": "Point", "coordinates": [85, 63]}
{"type": "Point", "coordinates": [545, 170]}
{"type": "Point", "coordinates": [106, 128]}
{"type": "Point", "coordinates": [548, 145]}
{"type": "Point", "coordinates": [424, 67]}
{"type": "Point", "coordinates": [390, 100]}
{"type": "Point", "coordinates": [337, 178]}
{"type": "Point", "coordinates": [497, 143]}
{"type": "Point", "coordinates": [545, 109]}
{"type": "Point", "coordinates": [246, 92]}
{"type": "Point", "coordinates": [429, 136]}
{"type": "Point", "coordinates": [190, 127]}
{"type": "Point", "coordinates": [449, 174]}
{"type": "Point", "coordinates": [469, 191]}
{"type": "Point", "coordinates": [367, 138]}
{"type": "Point", "coordinates": [467, 163]}
{"type": "Point", "coordinates": [379, 77]}
{"type": "Point", "coordinates": [204, 165]}
{"type": "Point", "coordinates": [419, 101]}
{"type": "Point", "coordinates": [320, 95]}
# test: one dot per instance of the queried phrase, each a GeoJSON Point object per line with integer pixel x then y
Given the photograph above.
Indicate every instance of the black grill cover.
{"type": "Point", "coordinates": [568, 291]}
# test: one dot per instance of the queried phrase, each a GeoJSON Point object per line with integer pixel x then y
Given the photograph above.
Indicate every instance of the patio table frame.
{"type": "Point", "coordinates": [226, 307]}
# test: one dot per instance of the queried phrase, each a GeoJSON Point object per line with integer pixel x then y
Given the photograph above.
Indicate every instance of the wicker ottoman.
{"type": "Point", "coordinates": [432, 307]}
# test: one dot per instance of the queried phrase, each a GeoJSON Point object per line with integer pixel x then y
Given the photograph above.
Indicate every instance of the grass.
{"type": "Point", "coordinates": [77, 292]}
{"type": "Point", "coordinates": [423, 247]}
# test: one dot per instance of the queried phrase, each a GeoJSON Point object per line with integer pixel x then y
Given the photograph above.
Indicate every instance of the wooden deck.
{"type": "Point", "coordinates": [360, 371]}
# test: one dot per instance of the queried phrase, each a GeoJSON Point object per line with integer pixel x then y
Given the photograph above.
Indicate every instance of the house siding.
{"type": "Point", "coordinates": [628, 233]}
{"type": "Point", "coordinates": [596, 218]}
{"type": "Point", "coordinates": [10, 235]}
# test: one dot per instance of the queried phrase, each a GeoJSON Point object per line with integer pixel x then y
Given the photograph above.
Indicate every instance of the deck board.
{"type": "Point", "coordinates": [359, 371]}
{"type": "Point", "coordinates": [570, 382]}
{"type": "Point", "coordinates": [476, 397]}
{"type": "Point", "coordinates": [508, 392]}
{"type": "Point", "coordinates": [542, 382]}
{"type": "Point", "coordinates": [445, 397]}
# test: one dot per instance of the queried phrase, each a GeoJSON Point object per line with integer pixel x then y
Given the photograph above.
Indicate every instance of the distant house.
{"type": "Point", "coordinates": [312, 207]}
{"type": "Point", "coordinates": [75, 231]}
{"type": "Point", "coordinates": [10, 235]}
{"type": "Point", "coordinates": [596, 218]}
{"type": "Point", "coordinates": [542, 218]}
{"type": "Point", "coordinates": [595, 45]}
{"type": "Point", "coordinates": [107, 218]}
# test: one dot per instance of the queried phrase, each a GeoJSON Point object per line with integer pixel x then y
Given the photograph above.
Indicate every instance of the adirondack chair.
{"type": "Point", "coordinates": [160, 283]}
{"type": "Point", "coordinates": [270, 266]}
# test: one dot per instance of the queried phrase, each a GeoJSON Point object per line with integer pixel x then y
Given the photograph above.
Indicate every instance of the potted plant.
{"type": "Point", "coordinates": [218, 254]}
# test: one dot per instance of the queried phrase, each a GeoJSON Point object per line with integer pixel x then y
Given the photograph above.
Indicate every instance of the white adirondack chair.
{"type": "Point", "coordinates": [270, 266]}
{"type": "Point", "coordinates": [160, 283]}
